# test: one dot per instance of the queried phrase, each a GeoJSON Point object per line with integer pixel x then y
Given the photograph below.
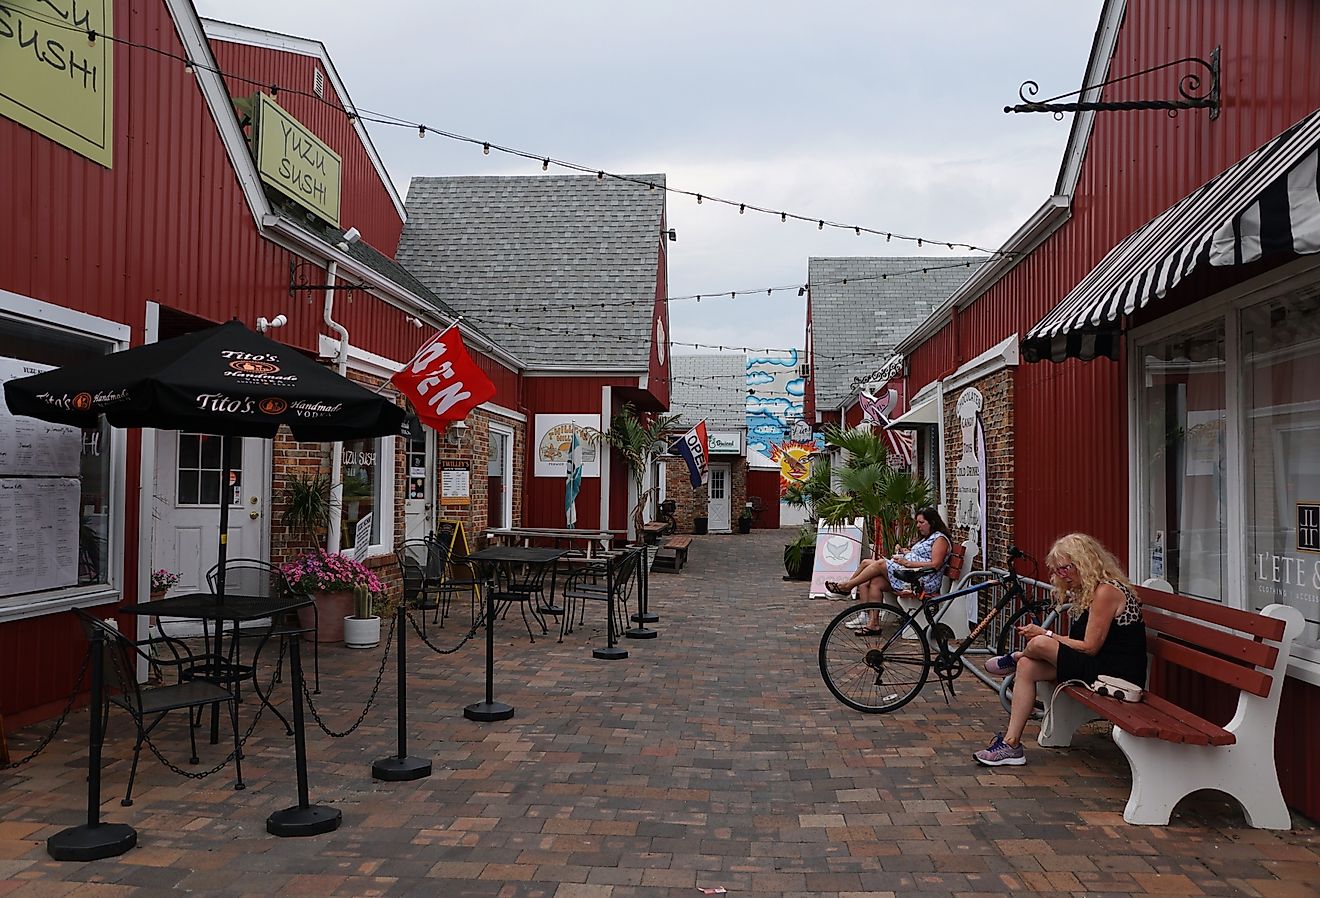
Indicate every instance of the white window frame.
{"type": "Point", "coordinates": [1226, 306]}
{"type": "Point", "coordinates": [34, 312]}
{"type": "Point", "coordinates": [385, 508]}
{"type": "Point", "coordinates": [507, 473]}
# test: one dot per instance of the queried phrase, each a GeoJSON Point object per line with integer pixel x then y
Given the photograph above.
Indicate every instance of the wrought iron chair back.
{"type": "Point", "coordinates": [148, 707]}
{"type": "Point", "coordinates": [254, 577]}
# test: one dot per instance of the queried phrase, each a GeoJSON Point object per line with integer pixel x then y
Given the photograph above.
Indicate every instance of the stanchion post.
{"type": "Point", "coordinates": [93, 840]}
{"type": "Point", "coordinates": [400, 768]}
{"type": "Point", "coordinates": [641, 631]}
{"type": "Point", "coordinates": [611, 652]}
{"type": "Point", "coordinates": [305, 818]}
{"type": "Point", "coordinates": [489, 710]}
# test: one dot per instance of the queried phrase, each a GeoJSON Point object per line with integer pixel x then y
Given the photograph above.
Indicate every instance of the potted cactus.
{"type": "Point", "coordinates": [362, 628]}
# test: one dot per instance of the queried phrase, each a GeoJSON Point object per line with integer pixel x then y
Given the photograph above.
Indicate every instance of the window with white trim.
{"type": "Point", "coordinates": [368, 479]}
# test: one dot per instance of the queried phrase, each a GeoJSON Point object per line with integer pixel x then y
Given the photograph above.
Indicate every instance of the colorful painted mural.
{"type": "Point", "coordinates": [794, 460]}
{"type": "Point", "coordinates": [775, 389]}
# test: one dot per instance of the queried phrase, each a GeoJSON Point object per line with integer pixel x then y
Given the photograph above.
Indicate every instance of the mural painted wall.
{"type": "Point", "coordinates": [774, 398]}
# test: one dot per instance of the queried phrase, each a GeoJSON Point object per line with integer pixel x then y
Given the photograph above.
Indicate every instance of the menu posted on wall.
{"type": "Point", "coordinates": [38, 533]}
{"type": "Point", "coordinates": [32, 448]}
{"type": "Point", "coordinates": [455, 485]}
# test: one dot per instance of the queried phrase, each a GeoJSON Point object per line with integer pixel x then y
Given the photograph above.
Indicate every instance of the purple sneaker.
{"type": "Point", "coordinates": [1001, 665]}
{"type": "Point", "coordinates": [1000, 753]}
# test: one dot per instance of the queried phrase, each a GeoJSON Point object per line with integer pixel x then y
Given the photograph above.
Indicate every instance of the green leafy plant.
{"type": "Point", "coordinates": [637, 440]}
{"type": "Point", "coordinates": [308, 503]}
{"type": "Point", "coordinates": [868, 488]}
{"type": "Point", "coordinates": [798, 553]}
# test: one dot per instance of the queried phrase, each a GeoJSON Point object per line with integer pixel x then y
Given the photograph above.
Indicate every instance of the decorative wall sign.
{"type": "Point", "coordinates": [554, 436]}
{"type": "Point", "coordinates": [296, 162]}
{"type": "Point", "coordinates": [970, 473]}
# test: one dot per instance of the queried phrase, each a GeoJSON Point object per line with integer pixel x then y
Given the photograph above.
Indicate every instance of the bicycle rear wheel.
{"type": "Point", "coordinates": [874, 672]}
{"type": "Point", "coordinates": [1043, 614]}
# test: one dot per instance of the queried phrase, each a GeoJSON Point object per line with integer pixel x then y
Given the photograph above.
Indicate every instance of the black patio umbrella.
{"type": "Point", "coordinates": [224, 380]}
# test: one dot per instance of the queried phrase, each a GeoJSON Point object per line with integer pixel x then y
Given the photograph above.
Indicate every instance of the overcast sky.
{"type": "Point", "coordinates": [883, 114]}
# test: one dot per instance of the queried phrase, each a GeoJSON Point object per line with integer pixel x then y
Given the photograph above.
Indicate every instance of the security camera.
{"type": "Point", "coordinates": [351, 236]}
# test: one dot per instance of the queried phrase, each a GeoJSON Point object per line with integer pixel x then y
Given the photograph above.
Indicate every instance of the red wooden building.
{"type": "Point", "coordinates": [1172, 279]}
{"type": "Point", "coordinates": [160, 192]}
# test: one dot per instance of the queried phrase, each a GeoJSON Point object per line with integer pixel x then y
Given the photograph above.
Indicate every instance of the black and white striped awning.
{"type": "Point", "coordinates": [1266, 204]}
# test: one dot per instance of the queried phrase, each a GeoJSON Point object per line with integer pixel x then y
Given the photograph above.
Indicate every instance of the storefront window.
{"type": "Point", "coordinates": [1182, 417]}
{"type": "Point", "coordinates": [363, 484]}
{"type": "Point", "coordinates": [1281, 392]}
{"type": "Point", "coordinates": [55, 483]}
{"type": "Point", "coordinates": [201, 467]}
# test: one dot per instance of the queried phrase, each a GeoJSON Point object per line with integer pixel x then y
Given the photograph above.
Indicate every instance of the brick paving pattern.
{"type": "Point", "coordinates": [713, 756]}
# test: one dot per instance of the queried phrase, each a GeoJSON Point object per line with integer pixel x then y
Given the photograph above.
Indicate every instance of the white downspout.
{"type": "Point", "coordinates": [336, 448]}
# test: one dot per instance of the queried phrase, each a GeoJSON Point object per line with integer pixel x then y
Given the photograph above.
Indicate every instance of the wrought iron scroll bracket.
{"type": "Point", "coordinates": [1191, 92]}
{"type": "Point", "coordinates": [299, 280]}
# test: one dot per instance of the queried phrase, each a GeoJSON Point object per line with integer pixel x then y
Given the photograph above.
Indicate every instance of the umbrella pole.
{"type": "Point", "coordinates": [226, 495]}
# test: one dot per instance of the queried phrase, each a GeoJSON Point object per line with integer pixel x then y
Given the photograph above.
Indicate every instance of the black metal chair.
{"type": "Point", "coordinates": [148, 707]}
{"type": "Point", "coordinates": [458, 573]}
{"type": "Point", "coordinates": [616, 577]}
{"type": "Point", "coordinates": [423, 573]}
{"type": "Point", "coordinates": [253, 577]}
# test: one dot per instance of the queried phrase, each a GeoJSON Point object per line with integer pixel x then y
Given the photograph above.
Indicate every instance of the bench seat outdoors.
{"type": "Point", "coordinates": [1174, 751]}
{"type": "Point", "coordinates": [672, 555]}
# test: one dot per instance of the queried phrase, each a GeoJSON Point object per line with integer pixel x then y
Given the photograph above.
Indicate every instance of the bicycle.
{"type": "Point", "coordinates": [877, 672]}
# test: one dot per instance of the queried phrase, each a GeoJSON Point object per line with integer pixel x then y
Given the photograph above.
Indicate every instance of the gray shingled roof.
{"type": "Point", "coordinates": [855, 326]}
{"type": "Point", "coordinates": [721, 397]}
{"type": "Point", "coordinates": [512, 252]}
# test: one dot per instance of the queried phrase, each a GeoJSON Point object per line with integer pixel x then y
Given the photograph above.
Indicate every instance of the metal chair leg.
{"type": "Point", "coordinates": [238, 751]}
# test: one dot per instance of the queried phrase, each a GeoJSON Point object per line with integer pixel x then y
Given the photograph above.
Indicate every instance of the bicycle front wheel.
{"type": "Point", "coordinates": [1043, 614]}
{"type": "Point", "coordinates": [874, 670]}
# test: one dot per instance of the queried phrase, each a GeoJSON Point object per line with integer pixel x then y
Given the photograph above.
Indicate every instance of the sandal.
{"type": "Point", "coordinates": [867, 631]}
{"type": "Point", "coordinates": [833, 586]}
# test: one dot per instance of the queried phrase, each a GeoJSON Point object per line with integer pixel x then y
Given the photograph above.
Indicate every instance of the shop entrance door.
{"type": "Point", "coordinates": [718, 493]}
{"type": "Point", "coordinates": [186, 508]}
{"type": "Point", "coordinates": [421, 480]}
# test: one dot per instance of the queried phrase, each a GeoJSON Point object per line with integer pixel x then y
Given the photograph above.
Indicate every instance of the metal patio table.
{"type": "Point", "coordinates": [505, 559]}
{"type": "Point", "coordinates": [304, 819]}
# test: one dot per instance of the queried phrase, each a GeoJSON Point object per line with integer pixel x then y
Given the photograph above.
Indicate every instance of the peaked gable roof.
{"type": "Point", "coordinates": [854, 326]}
{"type": "Point", "coordinates": [561, 270]}
{"type": "Point", "coordinates": [712, 388]}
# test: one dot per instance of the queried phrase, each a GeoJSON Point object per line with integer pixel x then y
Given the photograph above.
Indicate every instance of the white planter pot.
{"type": "Point", "coordinates": [361, 633]}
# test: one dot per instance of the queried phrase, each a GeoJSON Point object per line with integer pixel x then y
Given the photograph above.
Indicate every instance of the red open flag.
{"type": "Point", "coordinates": [442, 382]}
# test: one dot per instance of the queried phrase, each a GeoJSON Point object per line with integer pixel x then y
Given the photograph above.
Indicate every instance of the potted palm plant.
{"type": "Point", "coordinates": [867, 487]}
{"type": "Point", "coordinates": [637, 441]}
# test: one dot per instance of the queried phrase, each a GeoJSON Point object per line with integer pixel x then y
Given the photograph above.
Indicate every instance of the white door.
{"type": "Point", "coordinates": [421, 480]}
{"type": "Point", "coordinates": [186, 513]}
{"type": "Point", "coordinates": [717, 490]}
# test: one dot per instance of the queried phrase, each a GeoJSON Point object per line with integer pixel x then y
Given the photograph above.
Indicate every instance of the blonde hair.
{"type": "Point", "coordinates": [1094, 564]}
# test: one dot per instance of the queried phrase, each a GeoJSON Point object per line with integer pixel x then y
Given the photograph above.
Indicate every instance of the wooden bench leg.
{"type": "Point", "coordinates": [1163, 773]}
{"type": "Point", "coordinates": [4, 744]}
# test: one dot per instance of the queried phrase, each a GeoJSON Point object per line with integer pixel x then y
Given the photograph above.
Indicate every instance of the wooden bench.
{"type": "Point", "coordinates": [653, 530]}
{"type": "Point", "coordinates": [672, 555]}
{"type": "Point", "coordinates": [1173, 751]}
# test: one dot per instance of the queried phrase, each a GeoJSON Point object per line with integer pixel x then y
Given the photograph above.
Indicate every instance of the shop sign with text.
{"type": "Point", "coordinates": [296, 162]}
{"type": "Point", "coordinates": [726, 442]}
{"type": "Point", "coordinates": [56, 82]}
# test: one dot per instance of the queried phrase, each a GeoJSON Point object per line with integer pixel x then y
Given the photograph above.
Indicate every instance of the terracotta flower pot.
{"type": "Point", "coordinates": [331, 609]}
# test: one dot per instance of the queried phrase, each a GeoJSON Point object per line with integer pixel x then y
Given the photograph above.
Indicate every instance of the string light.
{"type": "Point", "coordinates": [91, 35]}
{"type": "Point", "coordinates": [274, 90]}
{"type": "Point", "coordinates": [421, 131]}
{"type": "Point", "coordinates": [698, 199]}
{"type": "Point", "coordinates": [545, 165]}
{"type": "Point", "coordinates": [188, 66]}
{"type": "Point", "coordinates": [485, 149]}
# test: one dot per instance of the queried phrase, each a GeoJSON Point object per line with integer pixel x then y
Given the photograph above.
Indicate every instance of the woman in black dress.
{"type": "Point", "coordinates": [1107, 637]}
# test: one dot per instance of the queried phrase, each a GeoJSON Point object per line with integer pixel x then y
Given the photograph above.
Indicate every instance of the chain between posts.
{"type": "Point", "coordinates": [476, 626]}
{"type": "Point", "coordinates": [59, 721]}
{"type": "Point", "coordinates": [371, 699]}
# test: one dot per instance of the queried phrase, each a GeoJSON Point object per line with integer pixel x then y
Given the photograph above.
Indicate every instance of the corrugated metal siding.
{"type": "Point", "coordinates": [1137, 164]}
{"type": "Point", "coordinates": [543, 505]}
{"type": "Point", "coordinates": [365, 203]}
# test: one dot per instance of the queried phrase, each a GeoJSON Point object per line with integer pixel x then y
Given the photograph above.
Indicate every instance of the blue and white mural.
{"type": "Point", "coordinates": [774, 398]}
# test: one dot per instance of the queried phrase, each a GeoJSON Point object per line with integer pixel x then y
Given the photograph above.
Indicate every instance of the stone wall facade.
{"type": "Point", "coordinates": [696, 503]}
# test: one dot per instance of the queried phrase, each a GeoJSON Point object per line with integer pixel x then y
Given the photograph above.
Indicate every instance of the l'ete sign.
{"type": "Point", "coordinates": [296, 162]}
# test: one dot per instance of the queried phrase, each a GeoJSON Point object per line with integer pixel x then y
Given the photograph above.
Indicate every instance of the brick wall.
{"type": "Point", "coordinates": [997, 422]}
{"type": "Point", "coordinates": [475, 454]}
{"type": "Point", "coordinates": [695, 503]}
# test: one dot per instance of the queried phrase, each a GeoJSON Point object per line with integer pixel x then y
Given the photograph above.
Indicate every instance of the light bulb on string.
{"type": "Point", "coordinates": [600, 176]}
{"type": "Point", "coordinates": [91, 37]}
{"type": "Point", "coordinates": [821, 225]}
{"type": "Point", "coordinates": [421, 131]}
{"type": "Point", "coordinates": [783, 216]}
{"type": "Point", "coordinates": [485, 149]}
{"type": "Point", "coordinates": [698, 199]}
{"type": "Point", "coordinates": [742, 208]}
{"type": "Point", "coordinates": [545, 165]}
{"type": "Point", "coordinates": [188, 65]}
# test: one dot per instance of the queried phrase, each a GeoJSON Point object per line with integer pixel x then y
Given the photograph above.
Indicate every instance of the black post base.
{"type": "Point", "coordinates": [641, 633]}
{"type": "Point", "coordinates": [646, 617]}
{"type": "Point", "coordinates": [610, 654]}
{"type": "Point", "coordinates": [309, 821]}
{"type": "Point", "coordinates": [398, 770]}
{"type": "Point", "coordinates": [91, 841]}
{"type": "Point", "coordinates": [485, 712]}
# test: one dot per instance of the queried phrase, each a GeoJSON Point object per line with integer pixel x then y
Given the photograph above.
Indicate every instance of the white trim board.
{"type": "Point", "coordinates": [1003, 354]}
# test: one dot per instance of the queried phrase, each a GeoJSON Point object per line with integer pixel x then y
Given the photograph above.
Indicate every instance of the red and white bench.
{"type": "Point", "coordinates": [1173, 751]}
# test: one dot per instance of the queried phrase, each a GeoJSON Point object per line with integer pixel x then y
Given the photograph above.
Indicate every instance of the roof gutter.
{"type": "Point", "coordinates": [394, 293]}
{"type": "Point", "coordinates": [1043, 222]}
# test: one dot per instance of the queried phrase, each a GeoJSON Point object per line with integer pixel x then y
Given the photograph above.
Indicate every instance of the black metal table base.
{"type": "Point", "coordinates": [613, 653]}
{"type": "Point", "coordinates": [641, 633]}
{"type": "Point", "coordinates": [312, 820]}
{"type": "Point", "coordinates": [401, 770]}
{"type": "Point", "coordinates": [485, 712]}
{"type": "Point", "coordinates": [91, 841]}
{"type": "Point", "coordinates": [645, 617]}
